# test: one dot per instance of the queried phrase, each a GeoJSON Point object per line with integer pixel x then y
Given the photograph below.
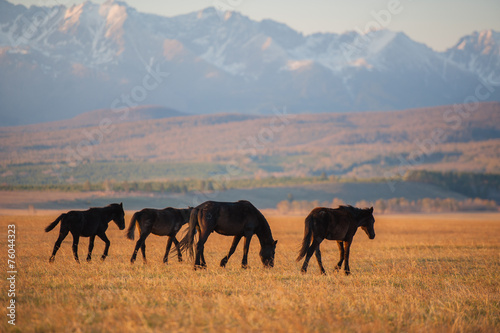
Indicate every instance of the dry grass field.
{"type": "Point", "coordinates": [436, 273]}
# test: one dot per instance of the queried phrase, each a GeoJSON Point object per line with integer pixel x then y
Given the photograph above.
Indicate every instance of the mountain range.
{"type": "Point", "coordinates": [58, 62]}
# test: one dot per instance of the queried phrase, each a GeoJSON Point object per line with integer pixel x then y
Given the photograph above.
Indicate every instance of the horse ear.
{"type": "Point", "coordinates": [275, 242]}
{"type": "Point", "coordinates": [121, 204]}
{"type": "Point", "coordinates": [371, 209]}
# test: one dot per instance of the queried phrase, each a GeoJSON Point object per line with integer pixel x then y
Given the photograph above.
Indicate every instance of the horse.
{"type": "Point", "coordinates": [338, 224]}
{"type": "Point", "coordinates": [238, 219]}
{"type": "Point", "coordinates": [89, 223]}
{"type": "Point", "coordinates": [161, 222]}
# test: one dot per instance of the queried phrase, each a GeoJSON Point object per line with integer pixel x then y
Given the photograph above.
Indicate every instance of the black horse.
{"type": "Point", "coordinates": [334, 224]}
{"type": "Point", "coordinates": [238, 219]}
{"type": "Point", "coordinates": [89, 223]}
{"type": "Point", "coordinates": [161, 222]}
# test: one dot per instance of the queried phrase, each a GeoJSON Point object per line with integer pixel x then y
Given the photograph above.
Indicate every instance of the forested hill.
{"type": "Point", "coordinates": [362, 145]}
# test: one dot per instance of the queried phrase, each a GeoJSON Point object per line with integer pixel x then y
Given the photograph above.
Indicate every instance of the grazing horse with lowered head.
{"type": "Point", "coordinates": [238, 219]}
{"type": "Point", "coordinates": [161, 222]}
{"type": "Point", "coordinates": [89, 223]}
{"type": "Point", "coordinates": [338, 224]}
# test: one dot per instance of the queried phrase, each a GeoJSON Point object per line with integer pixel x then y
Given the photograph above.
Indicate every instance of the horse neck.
{"type": "Point", "coordinates": [358, 215]}
{"type": "Point", "coordinates": [108, 214]}
{"type": "Point", "coordinates": [264, 233]}
{"type": "Point", "coordinates": [362, 220]}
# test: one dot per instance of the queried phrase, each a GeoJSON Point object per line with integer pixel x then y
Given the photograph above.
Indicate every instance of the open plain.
{"type": "Point", "coordinates": [432, 273]}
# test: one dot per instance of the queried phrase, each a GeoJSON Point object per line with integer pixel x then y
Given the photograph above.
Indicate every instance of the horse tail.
{"type": "Point", "coordinates": [53, 224]}
{"type": "Point", "coordinates": [306, 242]}
{"type": "Point", "coordinates": [131, 228]}
{"type": "Point", "coordinates": [187, 241]}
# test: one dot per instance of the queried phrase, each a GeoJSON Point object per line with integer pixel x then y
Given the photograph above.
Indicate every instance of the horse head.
{"type": "Point", "coordinates": [267, 254]}
{"type": "Point", "coordinates": [367, 221]}
{"type": "Point", "coordinates": [119, 215]}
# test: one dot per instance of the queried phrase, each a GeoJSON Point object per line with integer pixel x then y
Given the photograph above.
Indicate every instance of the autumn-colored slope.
{"type": "Point", "coordinates": [369, 144]}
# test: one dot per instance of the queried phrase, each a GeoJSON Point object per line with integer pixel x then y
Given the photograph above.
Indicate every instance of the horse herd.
{"type": "Point", "coordinates": [238, 219]}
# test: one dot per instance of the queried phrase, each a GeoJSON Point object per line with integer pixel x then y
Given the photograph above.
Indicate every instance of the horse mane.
{"type": "Point", "coordinates": [355, 212]}
{"type": "Point", "coordinates": [111, 208]}
{"type": "Point", "coordinates": [108, 206]}
{"type": "Point", "coordinates": [264, 229]}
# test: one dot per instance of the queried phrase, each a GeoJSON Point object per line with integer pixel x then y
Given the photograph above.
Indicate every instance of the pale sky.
{"type": "Point", "coordinates": [436, 23]}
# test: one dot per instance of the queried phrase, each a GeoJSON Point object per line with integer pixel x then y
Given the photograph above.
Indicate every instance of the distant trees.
{"type": "Point", "coordinates": [436, 205]}
{"type": "Point", "coordinates": [296, 206]}
{"type": "Point", "coordinates": [396, 205]}
{"type": "Point", "coordinates": [303, 206]}
{"type": "Point", "coordinates": [86, 186]}
{"type": "Point", "coordinates": [467, 183]}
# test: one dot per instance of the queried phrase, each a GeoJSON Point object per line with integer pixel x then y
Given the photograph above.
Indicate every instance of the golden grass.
{"type": "Point", "coordinates": [421, 273]}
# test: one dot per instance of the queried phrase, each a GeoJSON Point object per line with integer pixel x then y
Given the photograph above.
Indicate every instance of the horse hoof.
{"type": "Point", "coordinates": [347, 273]}
{"type": "Point", "coordinates": [51, 259]}
{"type": "Point", "coordinates": [102, 258]}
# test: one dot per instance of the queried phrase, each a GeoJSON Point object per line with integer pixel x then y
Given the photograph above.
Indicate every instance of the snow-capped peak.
{"type": "Point", "coordinates": [229, 61]}
{"type": "Point", "coordinates": [478, 53]}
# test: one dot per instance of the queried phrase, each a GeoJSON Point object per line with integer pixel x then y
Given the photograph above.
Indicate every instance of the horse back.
{"type": "Point", "coordinates": [87, 223]}
{"type": "Point", "coordinates": [332, 224]}
{"type": "Point", "coordinates": [229, 218]}
{"type": "Point", "coordinates": [74, 221]}
{"type": "Point", "coordinates": [168, 221]}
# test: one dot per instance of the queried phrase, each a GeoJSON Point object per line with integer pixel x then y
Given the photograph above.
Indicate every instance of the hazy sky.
{"type": "Point", "coordinates": [437, 23]}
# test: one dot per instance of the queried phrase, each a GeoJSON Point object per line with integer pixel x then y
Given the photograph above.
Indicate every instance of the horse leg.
{"type": "Point", "coordinates": [179, 253]}
{"type": "Point", "coordinates": [102, 236]}
{"type": "Point", "coordinates": [143, 251]}
{"type": "Point", "coordinates": [202, 259]}
{"type": "Point", "coordinates": [320, 263]}
{"type": "Point", "coordinates": [340, 244]}
{"type": "Point", "coordinates": [315, 244]}
{"type": "Point", "coordinates": [91, 247]}
{"type": "Point", "coordinates": [76, 239]}
{"type": "Point", "coordinates": [200, 247]}
{"type": "Point", "coordinates": [224, 260]}
{"type": "Point", "coordinates": [347, 247]}
{"type": "Point", "coordinates": [62, 234]}
{"type": "Point", "coordinates": [141, 243]}
{"type": "Point", "coordinates": [244, 263]}
{"type": "Point", "coordinates": [169, 245]}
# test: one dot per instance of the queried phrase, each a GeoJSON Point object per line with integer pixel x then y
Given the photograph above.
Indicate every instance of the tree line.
{"type": "Point", "coordinates": [216, 183]}
{"type": "Point", "coordinates": [470, 184]}
{"type": "Point", "coordinates": [395, 205]}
